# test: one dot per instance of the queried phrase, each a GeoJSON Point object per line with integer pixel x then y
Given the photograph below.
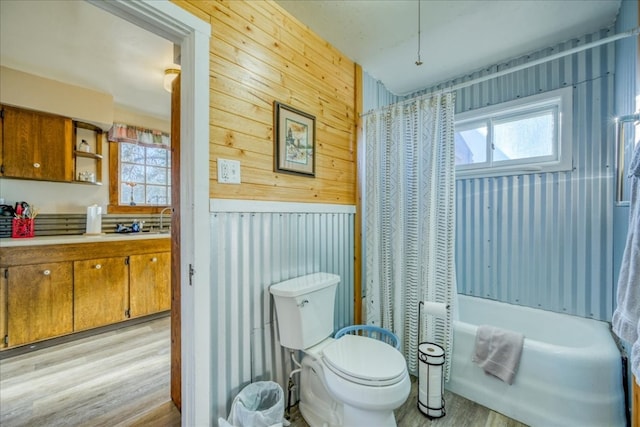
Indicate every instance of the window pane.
{"type": "Point", "coordinates": [157, 195]}
{"type": "Point", "coordinates": [131, 153]}
{"type": "Point", "coordinates": [130, 193]}
{"type": "Point", "coordinates": [138, 194]}
{"type": "Point", "coordinates": [132, 173]}
{"type": "Point", "coordinates": [526, 137]}
{"type": "Point", "coordinates": [156, 175]}
{"type": "Point", "coordinates": [125, 193]}
{"type": "Point", "coordinates": [157, 156]}
{"type": "Point", "coordinates": [471, 145]}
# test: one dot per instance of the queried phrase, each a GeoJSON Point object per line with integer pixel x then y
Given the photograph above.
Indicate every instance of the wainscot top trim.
{"type": "Point", "coordinates": [246, 206]}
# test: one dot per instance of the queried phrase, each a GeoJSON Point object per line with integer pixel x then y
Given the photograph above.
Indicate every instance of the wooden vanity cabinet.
{"type": "Point", "coordinates": [36, 145]}
{"type": "Point", "coordinates": [54, 290]}
{"type": "Point", "coordinates": [149, 283]}
{"type": "Point", "coordinates": [100, 292]}
{"type": "Point", "coordinates": [39, 302]}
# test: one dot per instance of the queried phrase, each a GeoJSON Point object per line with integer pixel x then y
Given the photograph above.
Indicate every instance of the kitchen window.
{"type": "Point", "coordinates": [140, 169]}
{"type": "Point", "coordinates": [528, 135]}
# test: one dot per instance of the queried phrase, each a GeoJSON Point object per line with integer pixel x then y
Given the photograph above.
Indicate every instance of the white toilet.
{"type": "Point", "coordinates": [350, 381]}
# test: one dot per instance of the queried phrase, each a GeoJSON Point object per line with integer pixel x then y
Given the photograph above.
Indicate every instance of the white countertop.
{"type": "Point", "coordinates": [82, 238]}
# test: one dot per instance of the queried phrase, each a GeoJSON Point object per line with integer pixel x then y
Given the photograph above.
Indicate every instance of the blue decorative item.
{"type": "Point", "coordinates": [371, 331]}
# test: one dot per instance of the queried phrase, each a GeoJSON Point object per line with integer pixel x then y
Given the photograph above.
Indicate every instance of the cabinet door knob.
{"type": "Point", "coordinates": [154, 259]}
{"type": "Point", "coordinates": [98, 266]}
{"type": "Point", "coordinates": [36, 165]}
{"type": "Point", "coordinates": [46, 272]}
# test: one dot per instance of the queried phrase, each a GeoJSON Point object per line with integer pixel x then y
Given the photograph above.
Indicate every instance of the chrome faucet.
{"type": "Point", "coordinates": [162, 216]}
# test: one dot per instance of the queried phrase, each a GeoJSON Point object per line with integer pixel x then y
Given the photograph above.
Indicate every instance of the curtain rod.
{"type": "Point", "coordinates": [628, 118]}
{"type": "Point", "coordinates": [622, 35]}
{"type": "Point", "coordinates": [553, 57]}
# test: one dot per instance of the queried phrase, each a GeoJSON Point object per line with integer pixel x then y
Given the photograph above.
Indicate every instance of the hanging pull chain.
{"type": "Point", "coordinates": [418, 62]}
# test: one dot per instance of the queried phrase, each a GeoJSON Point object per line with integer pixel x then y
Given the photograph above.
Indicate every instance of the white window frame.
{"type": "Point", "coordinates": [559, 100]}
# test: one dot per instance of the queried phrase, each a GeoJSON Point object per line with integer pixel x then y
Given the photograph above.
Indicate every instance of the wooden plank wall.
{"type": "Point", "coordinates": [261, 54]}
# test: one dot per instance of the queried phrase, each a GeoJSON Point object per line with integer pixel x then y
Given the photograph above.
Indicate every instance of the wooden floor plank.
{"type": "Point", "coordinates": [459, 412]}
{"type": "Point", "coordinates": [118, 377]}
{"type": "Point", "coordinates": [121, 378]}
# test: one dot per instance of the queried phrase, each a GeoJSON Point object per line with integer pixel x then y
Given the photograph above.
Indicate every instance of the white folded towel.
{"type": "Point", "coordinates": [498, 352]}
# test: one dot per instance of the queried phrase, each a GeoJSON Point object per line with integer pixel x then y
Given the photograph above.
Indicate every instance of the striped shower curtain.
{"type": "Point", "coordinates": [409, 220]}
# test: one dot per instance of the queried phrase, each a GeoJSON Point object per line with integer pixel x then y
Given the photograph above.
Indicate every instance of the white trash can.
{"type": "Point", "coordinates": [260, 404]}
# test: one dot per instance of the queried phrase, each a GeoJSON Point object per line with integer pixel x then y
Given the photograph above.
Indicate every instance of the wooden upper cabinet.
{"type": "Point", "coordinates": [36, 145]}
{"type": "Point", "coordinates": [149, 283]}
{"type": "Point", "coordinates": [100, 294]}
{"type": "Point", "coordinates": [39, 302]}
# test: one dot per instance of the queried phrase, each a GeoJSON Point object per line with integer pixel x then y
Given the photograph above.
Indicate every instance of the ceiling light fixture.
{"type": "Point", "coordinates": [170, 75]}
{"type": "Point", "coordinates": [418, 62]}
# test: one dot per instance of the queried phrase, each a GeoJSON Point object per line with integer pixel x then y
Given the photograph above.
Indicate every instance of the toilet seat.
{"type": "Point", "coordinates": [365, 361]}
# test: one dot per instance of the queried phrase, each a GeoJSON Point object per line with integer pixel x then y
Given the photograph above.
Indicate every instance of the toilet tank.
{"type": "Point", "coordinates": [304, 306]}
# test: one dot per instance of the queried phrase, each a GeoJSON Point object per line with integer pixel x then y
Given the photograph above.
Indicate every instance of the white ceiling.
{"type": "Point", "coordinates": [456, 36]}
{"type": "Point", "coordinates": [80, 44]}
{"type": "Point", "coordinates": [77, 43]}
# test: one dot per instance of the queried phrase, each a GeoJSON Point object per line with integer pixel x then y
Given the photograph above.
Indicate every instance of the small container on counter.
{"type": "Point", "coordinates": [94, 219]}
{"type": "Point", "coordinates": [22, 227]}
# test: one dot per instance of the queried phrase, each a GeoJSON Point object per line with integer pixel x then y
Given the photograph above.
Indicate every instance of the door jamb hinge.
{"type": "Point", "coordinates": [191, 273]}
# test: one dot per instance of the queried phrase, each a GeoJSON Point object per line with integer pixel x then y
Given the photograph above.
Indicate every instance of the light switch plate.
{"type": "Point", "coordinates": [228, 171]}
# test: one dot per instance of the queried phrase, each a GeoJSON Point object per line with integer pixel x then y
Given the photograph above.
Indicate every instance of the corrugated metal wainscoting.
{"type": "Point", "coordinates": [254, 245]}
{"type": "Point", "coordinates": [543, 240]}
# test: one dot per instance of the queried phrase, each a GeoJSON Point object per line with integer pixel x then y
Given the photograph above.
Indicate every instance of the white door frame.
{"type": "Point", "coordinates": [192, 34]}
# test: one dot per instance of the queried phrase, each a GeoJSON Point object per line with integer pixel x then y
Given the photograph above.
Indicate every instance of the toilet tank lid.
{"type": "Point", "coordinates": [304, 284]}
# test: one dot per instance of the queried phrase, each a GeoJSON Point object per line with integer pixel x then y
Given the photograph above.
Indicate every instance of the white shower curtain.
{"type": "Point", "coordinates": [409, 219]}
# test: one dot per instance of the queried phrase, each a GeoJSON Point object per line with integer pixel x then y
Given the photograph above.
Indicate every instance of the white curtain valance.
{"type": "Point", "coordinates": [120, 132]}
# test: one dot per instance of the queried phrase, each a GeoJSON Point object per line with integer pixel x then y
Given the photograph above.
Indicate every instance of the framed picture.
{"type": "Point", "coordinates": [295, 140]}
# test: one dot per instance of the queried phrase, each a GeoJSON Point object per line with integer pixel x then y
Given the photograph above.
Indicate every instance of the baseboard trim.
{"type": "Point", "coordinates": [28, 348]}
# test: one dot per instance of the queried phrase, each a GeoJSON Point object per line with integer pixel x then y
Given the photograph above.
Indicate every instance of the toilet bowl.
{"type": "Point", "coordinates": [350, 381]}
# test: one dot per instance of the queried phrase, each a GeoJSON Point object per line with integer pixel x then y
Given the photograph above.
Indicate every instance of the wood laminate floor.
{"type": "Point", "coordinates": [121, 378]}
{"type": "Point", "coordinates": [460, 412]}
{"type": "Point", "coordinates": [117, 378]}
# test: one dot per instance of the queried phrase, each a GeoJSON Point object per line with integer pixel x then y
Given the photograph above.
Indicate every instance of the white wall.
{"type": "Point", "coordinates": [55, 197]}
{"type": "Point", "coordinates": [38, 93]}
{"type": "Point", "coordinates": [42, 94]}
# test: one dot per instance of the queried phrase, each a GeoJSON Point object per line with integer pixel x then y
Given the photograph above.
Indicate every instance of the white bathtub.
{"type": "Point", "coordinates": [569, 374]}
